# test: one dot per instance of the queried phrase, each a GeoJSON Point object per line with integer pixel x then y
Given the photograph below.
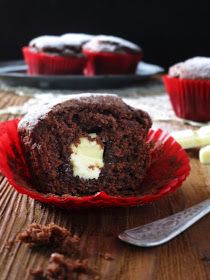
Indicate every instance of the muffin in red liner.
{"type": "Point", "coordinates": [190, 98]}
{"type": "Point", "coordinates": [188, 86]}
{"type": "Point", "coordinates": [168, 169]}
{"type": "Point", "coordinates": [110, 63]}
{"type": "Point", "coordinates": [40, 63]}
{"type": "Point", "coordinates": [109, 55]}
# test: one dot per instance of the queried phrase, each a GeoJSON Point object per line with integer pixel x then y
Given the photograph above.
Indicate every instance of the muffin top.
{"type": "Point", "coordinates": [41, 112]}
{"type": "Point", "coordinates": [37, 113]}
{"type": "Point", "coordinates": [76, 39]}
{"type": "Point", "coordinates": [47, 43]}
{"type": "Point", "coordinates": [103, 43]}
{"type": "Point", "coordinates": [193, 68]}
{"type": "Point", "coordinates": [67, 44]}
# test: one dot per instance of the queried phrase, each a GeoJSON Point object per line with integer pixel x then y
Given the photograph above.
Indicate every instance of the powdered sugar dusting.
{"type": "Point", "coordinates": [109, 44]}
{"type": "Point", "coordinates": [47, 41]}
{"type": "Point", "coordinates": [194, 68]}
{"type": "Point", "coordinates": [42, 108]}
{"type": "Point", "coordinates": [76, 39]}
{"type": "Point", "coordinates": [60, 42]}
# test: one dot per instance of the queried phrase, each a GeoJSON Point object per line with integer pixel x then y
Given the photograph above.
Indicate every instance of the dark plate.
{"type": "Point", "coordinates": [13, 73]}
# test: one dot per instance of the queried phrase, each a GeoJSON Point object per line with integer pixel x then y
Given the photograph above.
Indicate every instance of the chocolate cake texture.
{"type": "Point", "coordinates": [86, 144]}
{"type": "Point", "coordinates": [51, 236]}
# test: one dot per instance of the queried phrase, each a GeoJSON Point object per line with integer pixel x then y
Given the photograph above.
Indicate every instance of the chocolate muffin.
{"type": "Point", "coordinates": [188, 87]}
{"type": "Point", "coordinates": [110, 55]}
{"type": "Point", "coordinates": [56, 55]}
{"type": "Point", "coordinates": [86, 144]}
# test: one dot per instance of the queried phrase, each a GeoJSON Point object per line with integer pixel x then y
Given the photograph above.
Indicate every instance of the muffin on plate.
{"type": "Point", "coordinates": [86, 144]}
{"type": "Point", "coordinates": [188, 86]}
{"type": "Point", "coordinates": [111, 55]}
{"type": "Point", "coordinates": [56, 55]}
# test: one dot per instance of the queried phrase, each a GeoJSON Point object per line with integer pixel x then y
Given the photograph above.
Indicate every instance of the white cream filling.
{"type": "Point", "coordinates": [87, 158]}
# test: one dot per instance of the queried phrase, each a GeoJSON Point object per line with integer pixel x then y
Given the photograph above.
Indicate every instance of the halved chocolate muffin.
{"type": "Point", "coordinates": [86, 144]}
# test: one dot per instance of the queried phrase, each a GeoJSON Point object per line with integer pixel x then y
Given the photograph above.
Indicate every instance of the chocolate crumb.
{"type": "Point", "coordinates": [63, 268]}
{"type": "Point", "coordinates": [92, 167]}
{"type": "Point", "coordinates": [37, 273]}
{"type": "Point", "coordinates": [107, 256]}
{"type": "Point", "coordinates": [52, 236]}
{"type": "Point", "coordinates": [9, 244]}
{"type": "Point", "coordinates": [206, 259]}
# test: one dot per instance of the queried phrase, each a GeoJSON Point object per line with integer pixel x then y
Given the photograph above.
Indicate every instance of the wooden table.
{"type": "Point", "coordinates": [185, 257]}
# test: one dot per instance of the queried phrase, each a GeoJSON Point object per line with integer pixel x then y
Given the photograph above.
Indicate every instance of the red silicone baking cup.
{"type": "Point", "coordinates": [190, 98]}
{"type": "Point", "coordinates": [40, 63]}
{"type": "Point", "coordinates": [169, 168]}
{"type": "Point", "coordinates": [104, 63]}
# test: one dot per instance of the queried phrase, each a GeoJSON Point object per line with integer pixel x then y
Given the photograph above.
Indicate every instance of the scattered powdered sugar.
{"type": "Point", "coordinates": [109, 44]}
{"type": "Point", "coordinates": [193, 68]}
{"type": "Point", "coordinates": [19, 110]}
{"type": "Point", "coordinates": [158, 106]}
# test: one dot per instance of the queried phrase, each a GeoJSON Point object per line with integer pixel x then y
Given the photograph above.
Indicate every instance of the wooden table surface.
{"type": "Point", "coordinates": [185, 257]}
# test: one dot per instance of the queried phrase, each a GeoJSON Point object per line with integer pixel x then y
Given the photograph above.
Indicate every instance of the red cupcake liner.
{"type": "Point", "coordinates": [102, 63]}
{"type": "Point", "coordinates": [169, 168]}
{"type": "Point", "coordinates": [190, 98]}
{"type": "Point", "coordinates": [40, 63]}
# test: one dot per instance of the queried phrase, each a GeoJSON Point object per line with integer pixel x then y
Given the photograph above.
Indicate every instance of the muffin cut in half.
{"type": "Point", "coordinates": [86, 144]}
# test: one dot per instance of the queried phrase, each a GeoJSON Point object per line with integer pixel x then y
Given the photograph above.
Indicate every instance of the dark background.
{"type": "Point", "coordinates": [168, 31]}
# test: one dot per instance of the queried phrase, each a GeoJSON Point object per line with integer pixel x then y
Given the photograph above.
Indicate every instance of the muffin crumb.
{"type": "Point", "coordinates": [62, 268]}
{"type": "Point", "coordinates": [37, 273]}
{"type": "Point", "coordinates": [51, 235]}
{"type": "Point", "coordinates": [9, 243]}
{"type": "Point", "coordinates": [107, 256]}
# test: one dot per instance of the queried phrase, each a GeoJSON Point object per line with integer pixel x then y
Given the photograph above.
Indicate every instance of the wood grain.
{"type": "Point", "coordinates": [185, 257]}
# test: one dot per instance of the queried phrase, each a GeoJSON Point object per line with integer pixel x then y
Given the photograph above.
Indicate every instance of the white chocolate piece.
{"type": "Point", "coordinates": [87, 158]}
{"type": "Point", "coordinates": [193, 138]}
{"type": "Point", "coordinates": [204, 155]}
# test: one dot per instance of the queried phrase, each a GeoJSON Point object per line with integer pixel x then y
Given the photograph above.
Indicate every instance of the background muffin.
{"type": "Point", "coordinates": [73, 42]}
{"type": "Point", "coordinates": [56, 54]}
{"type": "Point", "coordinates": [188, 86]}
{"type": "Point", "coordinates": [87, 144]}
{"type": "Point", "coordinates": [111, 55]}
